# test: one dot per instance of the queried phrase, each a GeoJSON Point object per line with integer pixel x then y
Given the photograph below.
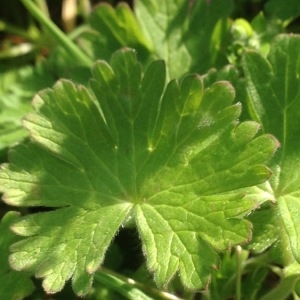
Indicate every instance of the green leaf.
{"type": "Point", "coordinates": [14, 285]}
{"type": "Point", "coordinates": [116, 28]}
{"type": "Point", "coordinates": [287, 11]}
{"type": "Point", "coordinates": [274, 100]}
{"type": "Point", "coordinates": [187, 35]}
{"type": "Point", "coordinates": [283, 290]}
{"type": "Point", "coordinates": [14, 104]}
{"type": "Point", "coordinates": [17, 87]}
{"type": "Point", "coordinates": [265, 232]}
{"type": "Point", "coordinates": [221, 282]}
{"type": "Point", "coordinates": [171, 158]}
{"type": "Point", "coordinates": [157, 21]}
{"type": "Point", "coordinates": [254, 282]}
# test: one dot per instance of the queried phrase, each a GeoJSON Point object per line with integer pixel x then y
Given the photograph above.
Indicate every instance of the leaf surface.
{"type": "Point", "coordinates": [18, 85]}
{"type": "Point", "coordinates": [173, 158]}
{"type": "Point", "coordinates": [274, 100]}
{"type": "Point", "coordinates": [115, 28]}
{"type": "Point", "coordinates": [14, 285]}
{"type": "Point", "coordinates": [287, 11]}
{"type": "Point", "coordinates": [14, 104]}
{"type": "Point", "coordinates": [187, 35]}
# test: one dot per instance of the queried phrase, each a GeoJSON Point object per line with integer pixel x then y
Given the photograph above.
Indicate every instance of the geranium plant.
{"type": "Point", "coordinates": [174, 122]}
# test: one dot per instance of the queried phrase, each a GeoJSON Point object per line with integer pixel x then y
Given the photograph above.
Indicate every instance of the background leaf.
{"type": "Point", "coordinates": [274, 100]}
{"type": "Point", "coordinates": [187, 35]}
{"type": "Point", "coordinates": [17, 87]}
{"type": "Point", "coordinates": [14, 104]}
{"type": "Point", "coordinates": [116, 28]}
{"type": "Point", "coordinates": [287, 11]}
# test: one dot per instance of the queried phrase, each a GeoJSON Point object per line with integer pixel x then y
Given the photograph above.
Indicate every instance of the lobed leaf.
{"type": "Point", "coordinates": [172, 158]}
{"type": "Point", "coordinates": [14, 285]}
{"type": "Point", "coordinates": [274, 100]}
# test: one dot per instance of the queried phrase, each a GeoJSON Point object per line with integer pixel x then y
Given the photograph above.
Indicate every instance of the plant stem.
{"type": "Point", "coordinates": [238, 272]}
{"type": "Point", "coordinates": [129, 287]}
{"type": "Point", "coordinates": [62, 39]}
{"type": "Point", "coordinates": [120, 286]}
{"type": "Point", "coordinates": [42, 5]}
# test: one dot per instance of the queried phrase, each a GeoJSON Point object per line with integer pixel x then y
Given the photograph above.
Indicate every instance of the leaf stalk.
{"type": "Point", "coordinates": [130, 288]}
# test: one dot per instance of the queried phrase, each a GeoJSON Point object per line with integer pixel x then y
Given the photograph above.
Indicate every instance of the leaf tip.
{"type": "Point", "coordinates": [228, 86]}
{"type": "Point", "coordinates": [92, 267]}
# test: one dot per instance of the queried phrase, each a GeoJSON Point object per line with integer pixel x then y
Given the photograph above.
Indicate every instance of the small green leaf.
{"type": "Point", "coordinates": [273, 87]}
{"type": "Point", "coordinates": [174, 158]}
{"type": "Point", "coordinates": [14, 285]}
